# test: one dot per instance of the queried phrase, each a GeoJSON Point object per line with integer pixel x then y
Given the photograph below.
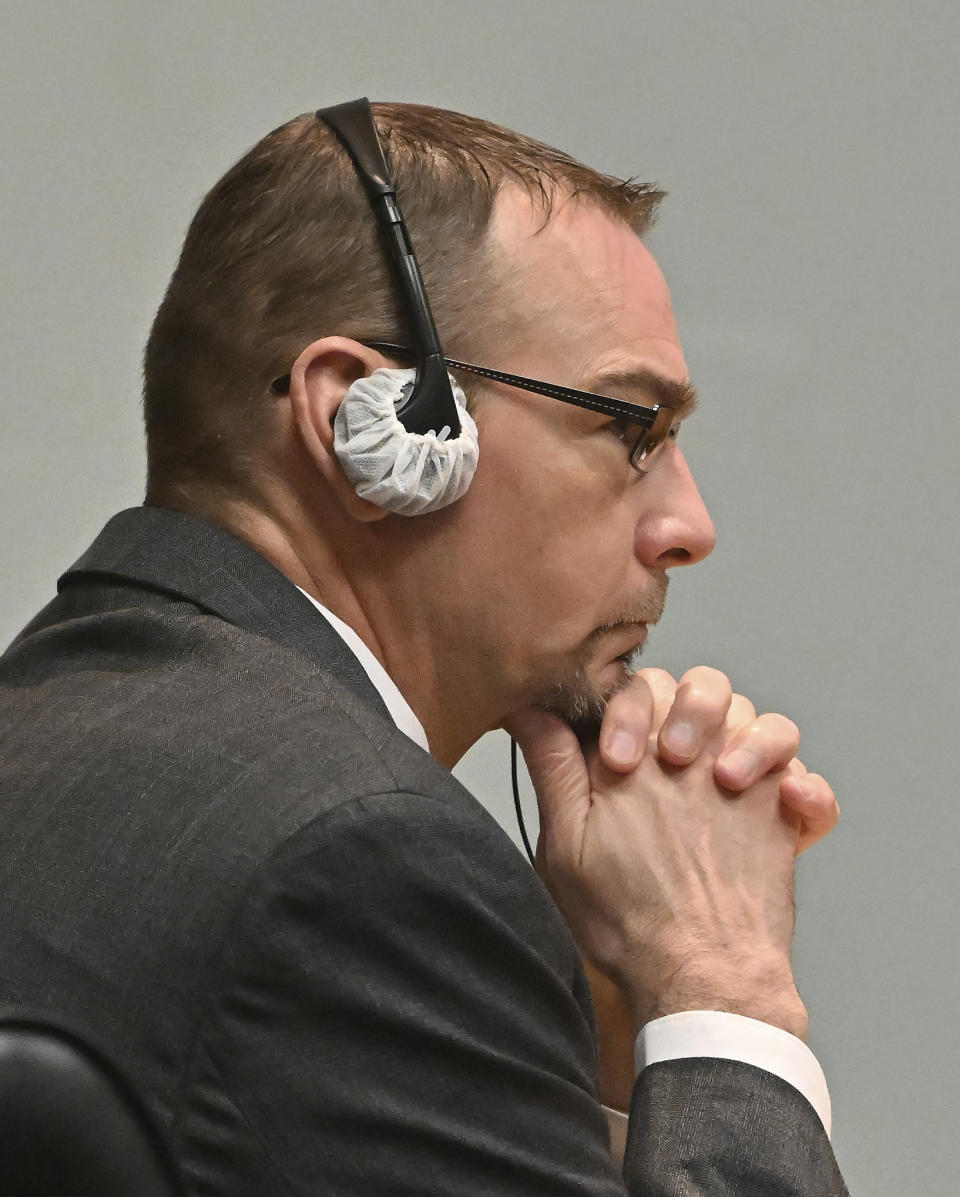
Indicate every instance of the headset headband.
{"type": "Point", "coordinates": [431, 405]}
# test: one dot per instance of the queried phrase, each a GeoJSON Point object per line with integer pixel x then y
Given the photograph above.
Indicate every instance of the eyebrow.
{"type": "Point", "coordinates": [667, 392]}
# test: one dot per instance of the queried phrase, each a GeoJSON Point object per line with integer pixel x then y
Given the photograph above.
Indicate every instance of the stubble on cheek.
{"type": "Point", "coordinates": [581, 700]}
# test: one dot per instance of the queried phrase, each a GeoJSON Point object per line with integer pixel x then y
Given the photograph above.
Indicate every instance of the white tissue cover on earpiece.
{"type": "Point", "coordinates": [400, 471]}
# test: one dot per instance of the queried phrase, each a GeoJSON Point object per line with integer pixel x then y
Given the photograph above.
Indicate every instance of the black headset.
{"type": "Point", "coordinates": [431, 404]}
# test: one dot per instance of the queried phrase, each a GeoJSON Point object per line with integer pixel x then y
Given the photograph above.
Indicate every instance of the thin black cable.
{"type": "Point", "coordinates": [516, 799]}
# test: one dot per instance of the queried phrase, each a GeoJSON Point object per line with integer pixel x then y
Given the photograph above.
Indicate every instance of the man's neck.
{"type": "Point", "coordinates": [389, 609]}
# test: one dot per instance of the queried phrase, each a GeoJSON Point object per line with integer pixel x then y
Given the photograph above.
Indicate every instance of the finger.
{"type": "Point", "coordinates": [742, 711]}
{"type": "Point", "coordinates": [811, 797]}
{"type": "Point", "coordinates": [766, 745]}
{"type": "Point", "coordinates": [663, 687]}
{"type": "Point", "coordinates": [699, 709]}
{"type": "Point", "coordinates": [626, 726]}
{"type": "Point", "coordinates": [559, 775]}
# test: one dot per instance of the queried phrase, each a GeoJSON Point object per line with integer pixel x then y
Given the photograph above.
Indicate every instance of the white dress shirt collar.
{"type": "Point", "coordinates": [381, 681]}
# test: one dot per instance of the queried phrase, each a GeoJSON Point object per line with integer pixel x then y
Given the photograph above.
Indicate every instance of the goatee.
{"type": "Point", "coordinates": [577, 699]}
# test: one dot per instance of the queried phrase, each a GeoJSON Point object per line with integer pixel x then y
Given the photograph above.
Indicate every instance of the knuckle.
{"type": "Point", "coordinates": [742, 709]}
{"type": "Point", "coordinates": [790, 728]}
{"type": "Point", "coordinates": [778, 728]}
{"type": "Point", "coordinates": [656, 679]}
{"type": "Point", "coordinates": [704, 678]}
{"type": "Point", "coordinates": [824, 790]}
{"type": "Point", "coordinates": [702, 697]}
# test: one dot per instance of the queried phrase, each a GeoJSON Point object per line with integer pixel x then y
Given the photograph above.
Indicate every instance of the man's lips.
{"type": "Point", "coordinates": [625, 637]}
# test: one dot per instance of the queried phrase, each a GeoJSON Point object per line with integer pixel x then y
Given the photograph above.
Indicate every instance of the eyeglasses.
{"type": "Point", "coordinates": [642, 429]}
{"type": "Point", "coordinates": [431, 406]}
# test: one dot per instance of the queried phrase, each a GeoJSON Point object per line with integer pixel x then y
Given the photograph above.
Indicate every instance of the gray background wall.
{"type": "Point", "coordinates": [810, 150]}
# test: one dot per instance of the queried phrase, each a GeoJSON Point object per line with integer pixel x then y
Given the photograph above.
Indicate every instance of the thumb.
{"type": "Point", "coordinates": [558, 772]}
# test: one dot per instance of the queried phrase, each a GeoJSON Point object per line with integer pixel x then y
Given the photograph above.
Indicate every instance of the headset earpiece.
{"type": "Point", "coordinates": [405, 472]}
{"type": "Point", "coordinates": [389, 432]}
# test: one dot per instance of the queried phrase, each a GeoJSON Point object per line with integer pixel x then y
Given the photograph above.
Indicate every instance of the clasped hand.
{"type": "Point", "coordinates": [670, 844]}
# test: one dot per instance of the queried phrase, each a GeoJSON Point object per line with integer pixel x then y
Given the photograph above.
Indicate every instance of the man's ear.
{"type": "Point", "coordinates": [319, 380]}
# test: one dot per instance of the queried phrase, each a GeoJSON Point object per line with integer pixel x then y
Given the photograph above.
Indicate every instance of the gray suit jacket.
{"type": "Point", "coordinates": [324, 964]}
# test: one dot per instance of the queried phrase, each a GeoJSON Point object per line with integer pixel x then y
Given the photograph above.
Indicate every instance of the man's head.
{"type": "Point", "coordinates": [538, 583]}
{"type": "Point", "coordinates": [285, 249]}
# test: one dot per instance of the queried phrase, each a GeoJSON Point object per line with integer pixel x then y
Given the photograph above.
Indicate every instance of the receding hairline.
{"type": "Point", "coordinates": [493, 155]}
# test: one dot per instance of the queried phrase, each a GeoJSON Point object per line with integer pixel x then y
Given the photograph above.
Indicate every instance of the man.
{"type": "Point", "coordinates": [233, 850]}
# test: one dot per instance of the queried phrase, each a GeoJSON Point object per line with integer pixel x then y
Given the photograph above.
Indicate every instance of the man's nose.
{"type": "Point", "coordinates": [675, 528]}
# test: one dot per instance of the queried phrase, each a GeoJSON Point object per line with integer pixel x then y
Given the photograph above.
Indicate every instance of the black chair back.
{"type": "Point", "coordinates": [70, 1124]}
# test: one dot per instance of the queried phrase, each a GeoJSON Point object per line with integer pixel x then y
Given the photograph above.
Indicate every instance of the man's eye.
{"type": "Point", "coordinates": [624, 430]}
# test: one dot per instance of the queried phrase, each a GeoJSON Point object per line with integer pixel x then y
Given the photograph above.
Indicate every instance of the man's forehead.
{"type": "Point", "coordinates": [584, 276]}
{"type": "Point", "coordinates": [523, 223]}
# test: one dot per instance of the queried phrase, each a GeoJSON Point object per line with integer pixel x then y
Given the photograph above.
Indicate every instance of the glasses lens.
{"type": "Point", "coordinates": [652, 438]}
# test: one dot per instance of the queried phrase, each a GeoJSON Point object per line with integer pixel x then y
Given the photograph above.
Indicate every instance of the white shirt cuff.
{"type": "Point", "coordinates": [733, 1037]}
{"type": "Point", "coordinates": [617, 1124]}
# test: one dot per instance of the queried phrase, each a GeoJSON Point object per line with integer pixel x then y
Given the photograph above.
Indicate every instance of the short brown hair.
{"type": "Point", "coordinates": [285, 249]}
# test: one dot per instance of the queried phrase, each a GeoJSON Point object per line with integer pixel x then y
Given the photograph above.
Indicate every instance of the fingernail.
{"type": "Point", "coordinates": [681, 739]}
{"type": "Point", "coordinates": [739, 766]}
{"type": "Point", "coordinates": [622, 747]}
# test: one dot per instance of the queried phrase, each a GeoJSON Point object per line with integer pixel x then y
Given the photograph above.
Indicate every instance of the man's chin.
{"type": "Point", "coordinates": [608, 660]}
{"type": "Point", "coordinates": [582, 699]}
